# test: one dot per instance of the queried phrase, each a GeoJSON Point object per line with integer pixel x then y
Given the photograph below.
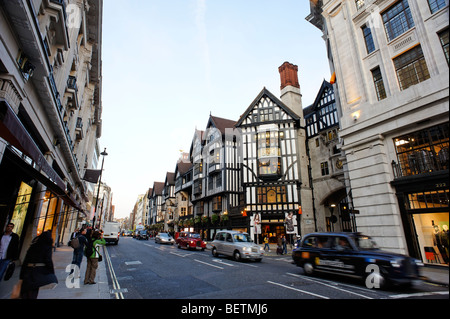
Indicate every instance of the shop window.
{"type": "Point", "coordinates": [48, 212]}
{"type": "Point", "coordinates": [411, 68]}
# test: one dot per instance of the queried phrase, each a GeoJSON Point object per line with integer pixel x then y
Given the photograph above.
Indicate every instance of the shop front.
{"type": "Point", "coordinates": [422, 189]}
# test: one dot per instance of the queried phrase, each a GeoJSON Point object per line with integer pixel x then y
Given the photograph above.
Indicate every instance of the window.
{"type": "Point", "coordinates": [324, 168]}
{"type": "Point", "coordinates": [443, 37]}
{"type": "Point", "coordinates": [411, 68]}
{"type": "Point", "coordinates": [271, 195]}
{"type": "Point", "coordinates": [397, 19]}
{"type": "Point", "coordinates": [269, 161]}
{"type": "Point", "coordinates": [266, 115]}
{"type": "Point", "coordinates": [368, 39]}
{"type": "Point", "coordinates": [422, 151]}
{"type": "Point", "coordinates": [359, 4]}
{"type": "Point", "coordinates": [436, 5]}
{"type": "Point", "coordinates": [217, 203]}
{"type": "Point", "coordinates": [379, 84]}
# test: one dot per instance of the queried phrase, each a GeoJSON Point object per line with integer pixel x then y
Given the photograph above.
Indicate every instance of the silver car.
{"type": "Point", "coordinates": [164, 238]}
{"type": "Point", "coordinates": [236, 244]}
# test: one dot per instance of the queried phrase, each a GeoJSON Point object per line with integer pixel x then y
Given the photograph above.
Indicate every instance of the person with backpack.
{"type": "Point", "coordinates": [93, 257]}
{"type": "Point", "coordinates": [78, 243]}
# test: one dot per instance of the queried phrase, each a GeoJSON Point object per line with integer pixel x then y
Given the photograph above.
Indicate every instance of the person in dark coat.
{"type": "Point", "coordinates": [79, 252]}
{"type": "Point", "coordinates": [9, 248]}
{"type": "Point", "coordinates": [37, 268]}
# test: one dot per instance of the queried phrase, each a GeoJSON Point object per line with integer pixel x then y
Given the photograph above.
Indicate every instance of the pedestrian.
{"type": "Point", "coordinates": [79, 251]}
{"type": "Point", "coordinates": [37, 268]}
{"type": "Point", "coordinates": [266, 243]}
{"type": "Point", "coordinates": [9, 248]}
{"type": "Point", "coordinates": [283, 242]}
{"type": "Point", "coordinates": [93, 259]}
{"type": "Point", "coordinates": [279, 245]}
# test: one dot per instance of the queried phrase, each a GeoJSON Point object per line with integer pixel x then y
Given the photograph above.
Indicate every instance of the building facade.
{"type": "Point", "coordinates": [391, 61]}
{"type": "Point", "coordinates": [50, 113]}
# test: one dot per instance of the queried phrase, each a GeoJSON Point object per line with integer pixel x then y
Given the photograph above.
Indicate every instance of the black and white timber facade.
{"type": "Point", "coordinates": [270, 166]}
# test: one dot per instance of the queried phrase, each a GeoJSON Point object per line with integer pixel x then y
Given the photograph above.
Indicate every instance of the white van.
{"type": "Point", "coordinates": [111, 232]}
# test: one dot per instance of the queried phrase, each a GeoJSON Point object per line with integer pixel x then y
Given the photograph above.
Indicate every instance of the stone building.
{"type": "Point", "coordinates": [50, 113]}
{"type": "Point", "coordinates": [391, 63]}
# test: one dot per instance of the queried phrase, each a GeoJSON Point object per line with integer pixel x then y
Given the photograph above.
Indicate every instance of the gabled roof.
{"type": "Point", "coordinates": [158, 188]}
{"type": "Point", "coordinates": [313, 107]}
{"type": "Point", "coordinates": [182, 168]}
{"type": "Point", "coordinates": [220, 123]}
{"type": "Point", "coordinates": [170, 179]}
{"type": "Point", "coordinates": [266, 93]}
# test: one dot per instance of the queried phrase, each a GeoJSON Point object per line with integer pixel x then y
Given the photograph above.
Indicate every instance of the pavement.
{"type": "Point", "coordinates": [73, 289]}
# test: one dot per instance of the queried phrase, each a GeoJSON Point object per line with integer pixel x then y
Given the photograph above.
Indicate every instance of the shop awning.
{"type": "Point", "coordinates": [13, 131]}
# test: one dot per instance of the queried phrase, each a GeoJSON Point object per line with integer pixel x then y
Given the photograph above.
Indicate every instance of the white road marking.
{"type": "Point", "coordinates": [202, 262]}
{"type": "Point", "coordinates": [299, 290]}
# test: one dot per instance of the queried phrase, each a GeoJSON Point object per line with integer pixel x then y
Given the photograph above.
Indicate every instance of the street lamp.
{"type": "Point", "coordinates": [98, 187]}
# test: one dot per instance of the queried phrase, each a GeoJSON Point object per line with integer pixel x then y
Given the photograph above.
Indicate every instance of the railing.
{"type": "Point", "coordinates": [421, 162]}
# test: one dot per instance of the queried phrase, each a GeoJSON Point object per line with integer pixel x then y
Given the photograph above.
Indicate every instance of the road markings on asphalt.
{"type": "Point", "coordinates": [117, 291]}
{"type": "Point", "coordinates": [419, 294]}
{"type": "Point", "coordinates": [330, 286]}
{"type": "Point", "coordinates": [202, 262]}
{"type": "Point", "coordinates": [180, 255]}
{"type": "Point", "coordinates": [299, 290]}
{"type": "Point", "coordinates": [135, 262]}
{"type": "Point", "coordinates": [221, 262]}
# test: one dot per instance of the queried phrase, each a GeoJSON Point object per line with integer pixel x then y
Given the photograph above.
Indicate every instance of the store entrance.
{"type": "Point", "coordinates": [273, 231]}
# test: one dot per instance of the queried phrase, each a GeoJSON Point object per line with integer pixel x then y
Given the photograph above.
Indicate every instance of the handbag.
{"type": "Point", "coordinates": [9, 270]}
{"type": "Point", "coordinates": [100, 257]}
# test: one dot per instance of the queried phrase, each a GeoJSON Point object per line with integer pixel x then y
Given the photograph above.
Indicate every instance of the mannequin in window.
{"type": "Point", "coordinates": [440, 242]}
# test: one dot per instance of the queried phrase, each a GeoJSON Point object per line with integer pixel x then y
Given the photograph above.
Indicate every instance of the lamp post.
{"type": "Point", "coordinates": [98, 187]}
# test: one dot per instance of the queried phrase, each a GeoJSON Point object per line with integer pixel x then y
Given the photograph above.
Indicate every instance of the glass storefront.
{"type": "Point", "coordinates": [421, 182]}
{"type": "Point", "coordinates": [432, 233]}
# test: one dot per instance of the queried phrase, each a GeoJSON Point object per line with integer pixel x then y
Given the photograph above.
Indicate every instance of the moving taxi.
{"type": "Point", "coordinates": [354, 254]}
{"type": "Point", "coordinates": [190, 240]}
{"type": "Point", "coordinates": [236, 244]}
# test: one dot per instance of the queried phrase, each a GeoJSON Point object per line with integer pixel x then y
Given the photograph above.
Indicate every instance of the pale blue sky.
{"type": "Point", "coordinates": [168, 64]}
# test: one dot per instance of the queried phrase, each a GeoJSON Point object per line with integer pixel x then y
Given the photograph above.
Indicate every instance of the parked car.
{"type": "Point", "coordinates": [142, 234]}
{"type": "Point", "coordinates": [190, 240]}
{"type": "Point", "coordinates": [237, 245]}
{"type": "Point", "coordinates": [164, 238]}
{"type": "Point", "coordinates": [355, 254]}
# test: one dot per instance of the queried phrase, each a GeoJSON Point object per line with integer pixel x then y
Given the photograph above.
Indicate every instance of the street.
{"type": "Point", "coordinates": [145, 270]}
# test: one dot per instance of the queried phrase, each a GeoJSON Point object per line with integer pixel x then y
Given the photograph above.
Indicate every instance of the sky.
{"type": "Point", "coordinates": [169, 64]}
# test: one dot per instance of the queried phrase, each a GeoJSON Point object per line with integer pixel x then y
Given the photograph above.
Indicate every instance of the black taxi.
{"type": "Point", "coordinates": [354, 254]}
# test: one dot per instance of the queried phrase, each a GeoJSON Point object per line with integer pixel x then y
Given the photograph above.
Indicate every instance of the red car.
{"type": "Point", "coordinates": [190, 241]}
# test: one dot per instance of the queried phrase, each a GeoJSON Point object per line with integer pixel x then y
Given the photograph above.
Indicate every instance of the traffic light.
{"type": "Point", "coordinates": [345, 212]}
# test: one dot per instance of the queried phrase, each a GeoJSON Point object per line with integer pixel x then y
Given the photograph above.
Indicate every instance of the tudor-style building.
{"type": "Point", "coordinates": [271, 170]}
{"type": "Point", "coordinates": [154, 204]}
{"type": "Point", "coordinates": [216, 188]}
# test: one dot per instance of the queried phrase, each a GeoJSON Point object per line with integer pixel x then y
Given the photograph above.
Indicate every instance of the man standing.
{"type": "Point", "coordinates": [78, 252]}
{"type": "Point", "coordinates": [9, 248]}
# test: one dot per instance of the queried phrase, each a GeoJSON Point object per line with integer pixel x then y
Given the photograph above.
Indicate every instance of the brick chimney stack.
{"type": "Point", "coordinates": [289, 75]}
{"type": "Point", "coordinates": [290, 88]}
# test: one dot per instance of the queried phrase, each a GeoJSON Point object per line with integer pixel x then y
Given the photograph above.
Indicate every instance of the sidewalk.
{"type": "Point", "coordinates": [62, 257]}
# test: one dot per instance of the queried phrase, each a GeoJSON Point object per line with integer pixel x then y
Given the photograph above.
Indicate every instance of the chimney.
{"type": "Point", "coordinates": [290, 88]}
{"type": "Point", "coordinates": [289, 75]}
